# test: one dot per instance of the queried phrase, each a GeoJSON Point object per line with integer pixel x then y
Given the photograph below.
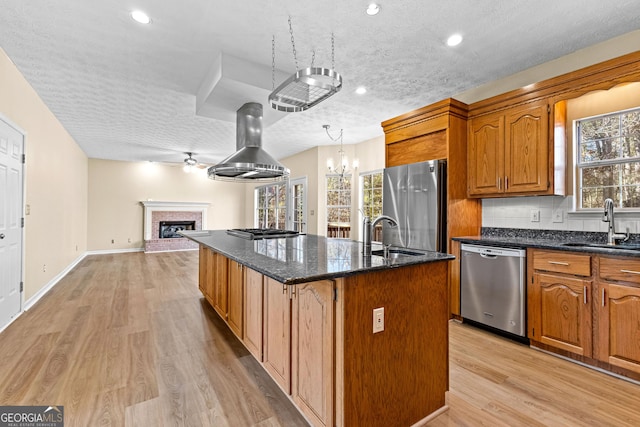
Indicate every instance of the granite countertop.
{"type": "Point", "coordinates": [304, 258]}
{"type": "Point", "coordinates": [574, 241]}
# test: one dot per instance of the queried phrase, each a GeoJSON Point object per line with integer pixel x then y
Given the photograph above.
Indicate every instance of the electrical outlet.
{"type": "Point", "coordinates": [535, 215]}
{"type": "Point", "coordinates": [44, 268]}
{"type": "Point", "coordinates": [378, 320]}
{"type": "Point", "coordinates": [558, 215]}
{"type": "Point", "coordinates": [129, 239]}
{"type": "Point", "coordinates": [113, 241]}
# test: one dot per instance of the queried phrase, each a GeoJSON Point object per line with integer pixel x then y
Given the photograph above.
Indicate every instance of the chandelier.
{"type": "Point", "coordinates": [342, 168]}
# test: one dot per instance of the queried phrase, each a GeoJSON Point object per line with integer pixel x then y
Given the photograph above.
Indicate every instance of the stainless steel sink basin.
{"type": "Point", "coordinates": [395, 253]}
{"type": "Point", "coordinates": [622, 246]}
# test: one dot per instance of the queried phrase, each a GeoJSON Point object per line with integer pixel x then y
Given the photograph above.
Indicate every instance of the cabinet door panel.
{"type": "Point", "coordinates": [564, 313]}
{"type": "Point", "coordinates": [527, 149]}
{"type": "Point", "coordinates": [277, 332]}
{"type": "Point", "coordinates": [312, 340]}
{"type": "Point", "coordinates": [236, 295]}
{"type": "Point", "coordinates": [486, 155]}
{"type": "Point", "coordinates": [253, 289]}
{"type": "Point", "coordinates": [220, 285]}
{"type": "Point", "coordinates": [619, 326]}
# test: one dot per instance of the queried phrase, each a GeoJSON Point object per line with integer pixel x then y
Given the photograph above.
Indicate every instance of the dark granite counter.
{"type": "Point", "coordinates": [574, 241]}
{"type": "Point", "coordinates": [304, 258]}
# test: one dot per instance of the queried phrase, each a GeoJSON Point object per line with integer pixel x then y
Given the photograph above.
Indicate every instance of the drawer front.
{"type": "Point", "coordinates": [562, 262]}
{"type": "Point", "coordinates": [625, 270]}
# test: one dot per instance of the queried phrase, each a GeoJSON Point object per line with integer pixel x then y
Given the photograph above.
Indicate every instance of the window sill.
{"type": "Point", "coordinates": [595, 214]}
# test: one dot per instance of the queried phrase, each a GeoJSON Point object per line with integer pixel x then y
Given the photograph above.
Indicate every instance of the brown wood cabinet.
{"type": "Point", "coordinates": [439, 131]}
{"type": "Point", "coordinates": [236, 298]}
{"type": "Point", "coordinates": [312, 349]}
{"type": "Point", "coordinates": [276, 344]}
{"type": "Point", "coordinates": [619, 312]}
{"type": "Point", "coordinates": [220, 285]}
{"type": "Point", "coordinates": [205, 281]}
{"type": "Point", "coordinates": [559, 303]}
{"type": "Point", "coordinates": [509, 152]}
{"type": "Point", "coordinates": [253, 334]}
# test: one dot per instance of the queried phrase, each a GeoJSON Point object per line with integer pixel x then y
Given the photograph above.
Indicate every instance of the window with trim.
{"type": "Point", "coordinates": [608, 160]}
{"type": "Point", "coordinates": [371, 199]}
{"type": "Point", "coordinates": [271, 206]}
{"type": "Point", "coordinates": [338, 206]}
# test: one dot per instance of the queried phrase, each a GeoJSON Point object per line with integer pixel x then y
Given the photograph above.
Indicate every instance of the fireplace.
{"type": "Point", "coordinates": [169, 229]}
{"type": "Point", "coordinates": [163, 221]}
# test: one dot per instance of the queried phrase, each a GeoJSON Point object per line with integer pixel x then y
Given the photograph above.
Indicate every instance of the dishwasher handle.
{"type": "Point", "coordinates": [488, 256]}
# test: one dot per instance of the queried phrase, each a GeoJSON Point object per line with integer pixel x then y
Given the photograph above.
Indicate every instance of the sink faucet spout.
{"type": "Point", "coordinates": [608, 216]}
{"type": "Point", "coordinates": [368, 227]}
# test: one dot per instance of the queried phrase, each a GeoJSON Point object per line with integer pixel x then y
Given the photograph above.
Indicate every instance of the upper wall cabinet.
{"type": "Point", "coordinates": [509, 152]}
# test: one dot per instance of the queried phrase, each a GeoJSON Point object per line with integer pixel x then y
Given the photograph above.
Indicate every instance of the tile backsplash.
{"type": "Point", "coordinates": [553, 213]}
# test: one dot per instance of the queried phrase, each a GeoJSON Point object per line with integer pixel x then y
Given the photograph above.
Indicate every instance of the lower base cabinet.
{"type": "Point", "coordinates": [276, 350]}
{"type": "Point", "coordinates": [312, 344]}
{"type": "Point", "coordinates": [587, 305]}
{"type": "Point", "coordinates": [253, 288]}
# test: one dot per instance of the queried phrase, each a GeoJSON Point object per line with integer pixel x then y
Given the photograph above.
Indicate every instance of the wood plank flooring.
{"type": "Point", "coordinates": [128, 340]}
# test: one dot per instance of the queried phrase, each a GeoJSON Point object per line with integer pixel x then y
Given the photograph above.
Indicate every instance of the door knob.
{"type": "Point", "coordinates": [1, 236]}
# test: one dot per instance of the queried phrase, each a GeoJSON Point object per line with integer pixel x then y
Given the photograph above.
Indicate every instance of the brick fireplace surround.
{"type": "Point", "coordinates": [154, 212]}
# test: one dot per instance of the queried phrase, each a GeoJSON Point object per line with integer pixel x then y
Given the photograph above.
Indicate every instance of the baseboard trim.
{"type": "Point", "coordinates": [171, 250]}
{"type": "Point", "coordinates": [114, 251]}
{"type": "Point", "coordinates": [46, 288]}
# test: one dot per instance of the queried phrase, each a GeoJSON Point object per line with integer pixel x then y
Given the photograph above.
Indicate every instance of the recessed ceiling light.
{"type": "Point", "coordinates": [454, 40]}
{"type": "Point", "coordinates": [361, 90]}
{"type": "Point", "coordinates": [140, 16]}
{"type": "Point", "coordinates": [373, 9]}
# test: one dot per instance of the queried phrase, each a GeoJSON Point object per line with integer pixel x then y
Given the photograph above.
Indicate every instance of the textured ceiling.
{"type": "Point", "coordinates": [126, 91]}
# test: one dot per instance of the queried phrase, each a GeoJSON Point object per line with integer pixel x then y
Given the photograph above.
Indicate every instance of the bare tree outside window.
{"type": "Point", "coordinates": [271, 206]}
{"type": "Point", "coordinates": [338, 206]}
{"type": "Point", "coordinates": [609, 160]}
{"type": "Point", "coordinates": [372, 200]}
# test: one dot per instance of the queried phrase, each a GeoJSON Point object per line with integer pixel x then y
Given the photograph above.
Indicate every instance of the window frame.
{"type": "Point", "coordinates": [278, 186]}
{"type": "Point", "coordinates": [580, 165]}
{"type": "Point", "coordinates": [347, 207]}
{"type": "Point", "coordinates": [361, 197]}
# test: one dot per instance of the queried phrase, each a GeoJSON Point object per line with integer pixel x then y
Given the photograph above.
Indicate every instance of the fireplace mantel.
{"type": "Point", "coordinates": [154, 206]}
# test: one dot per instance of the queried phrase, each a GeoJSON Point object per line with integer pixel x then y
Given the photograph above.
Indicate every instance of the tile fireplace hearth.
{"type": "Point", "coordinates": [162, 221]}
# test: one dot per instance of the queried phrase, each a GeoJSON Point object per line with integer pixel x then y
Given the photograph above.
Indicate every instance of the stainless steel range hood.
{"type": "Point", "coordinates": [250, 162]}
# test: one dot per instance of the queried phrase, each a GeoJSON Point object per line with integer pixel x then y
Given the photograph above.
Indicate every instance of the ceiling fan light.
{"type": "Point", "coordinates": [373, 9]}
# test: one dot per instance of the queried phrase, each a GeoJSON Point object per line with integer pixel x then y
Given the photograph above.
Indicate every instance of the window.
{"type": "Point", "coordinates": [338, 206]}
{"type": "Point", "coordinates": [608, 160]}
{"type": "Point", "coordinates": [271, 206]}
{"type": "Point", "coordinates": [371, 199]}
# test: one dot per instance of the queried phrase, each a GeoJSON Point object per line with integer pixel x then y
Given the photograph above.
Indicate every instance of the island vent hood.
{"type": "Point", "coordinates": [250, 162]}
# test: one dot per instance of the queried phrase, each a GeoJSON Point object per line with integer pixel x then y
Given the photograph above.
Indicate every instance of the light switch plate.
{"type": "Point", "coordinates": [558, 215]}
{"type": "Point", "coordinates": [535, 215]}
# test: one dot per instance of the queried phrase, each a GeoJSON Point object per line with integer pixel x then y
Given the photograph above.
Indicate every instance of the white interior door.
{"type": "Point", "coordinates": [11, 169]}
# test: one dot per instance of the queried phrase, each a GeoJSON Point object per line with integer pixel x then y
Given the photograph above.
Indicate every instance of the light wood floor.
{"type": "Point", "coordinates": [128, 340]}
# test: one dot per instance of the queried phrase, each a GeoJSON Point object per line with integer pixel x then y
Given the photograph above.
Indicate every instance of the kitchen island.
{"type": "Point", "coordinates": [304, 307]}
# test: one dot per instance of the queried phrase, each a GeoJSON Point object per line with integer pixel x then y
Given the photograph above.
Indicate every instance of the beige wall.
{"type": "Point", "coordinates": [117, 188]}
{"type": "Point", "coordinates": [56, 183]}
{"type": "Point", "coordinates": [312, 164]}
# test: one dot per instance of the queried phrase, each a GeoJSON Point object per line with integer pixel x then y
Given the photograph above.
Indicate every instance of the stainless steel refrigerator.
{"type": "Point", "coordinates": [415, 196]}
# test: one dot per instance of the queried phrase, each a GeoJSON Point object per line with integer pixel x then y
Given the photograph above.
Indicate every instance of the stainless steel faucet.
{"type": "Point", "coordinates": [612, 236]}
{"type": "Point", "coordinates": [367, 231]}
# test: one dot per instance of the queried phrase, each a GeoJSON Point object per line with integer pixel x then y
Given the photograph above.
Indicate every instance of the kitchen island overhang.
{"type": "Point", "coordinates": [304, 309]}
{"type": "Point", "coordinates": [304, 258]}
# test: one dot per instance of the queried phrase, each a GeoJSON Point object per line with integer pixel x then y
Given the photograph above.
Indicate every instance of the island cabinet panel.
{"type": "Point", "coordinates": [236, 298]}
{"type": "Point", "coordinates": [397, 377]}
{"type": "Point", "coordinates": [277, 332]}
{"type": "Point", "coordinates": [205, 276]}
{"type": "Point", "coordinates": [253, 289]}
{"type": "Point", "coordinates": [312, 344]}
{"type": "Point", "coordinates": [220, 285]}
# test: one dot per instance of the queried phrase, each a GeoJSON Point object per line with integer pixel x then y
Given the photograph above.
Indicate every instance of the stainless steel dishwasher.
{"type": "Point", "coordinates": [493, 287]}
